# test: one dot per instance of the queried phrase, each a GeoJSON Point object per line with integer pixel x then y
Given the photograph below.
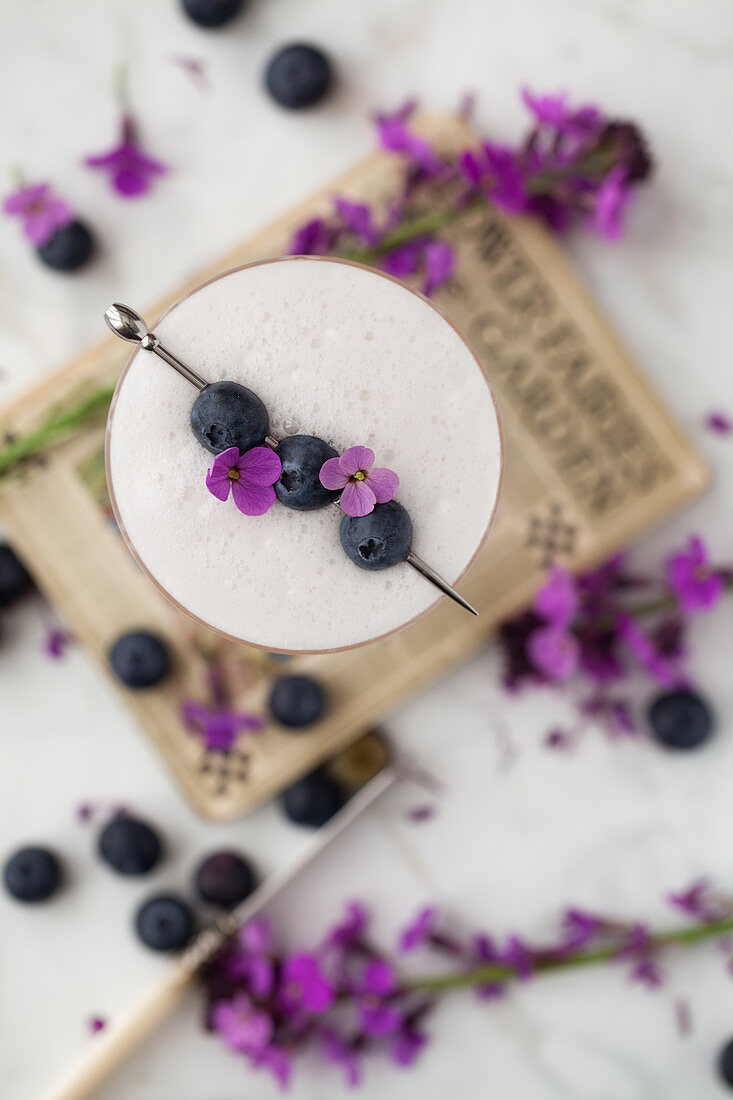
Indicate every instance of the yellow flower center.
{"type": "Point", "coordinates": [233, 474]}
{"type": "Point", "coordinates": [359, 475]}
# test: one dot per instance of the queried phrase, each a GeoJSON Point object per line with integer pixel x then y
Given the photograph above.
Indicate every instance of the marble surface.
{"type": "Point", "coordinates": [519, 832]}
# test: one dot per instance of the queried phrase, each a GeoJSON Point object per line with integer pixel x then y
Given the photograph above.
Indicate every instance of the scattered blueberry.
{"type": "Point", "coordinates": [725, 1063]}
{"type": "Point", "coordinates": [164, 923]}
{"type": "Point", "coordinates": [14, 580]}
{"type": "Point", "coordinates": [140, 659]}
{"type": "Point", "coordinates": [225, 879]}
{"type": "Point", "coordinates": [226, 414]}
{"type": "Point", "coordinates": [129, 845]}
{"type": "Point", "coordinates": [212, 13]}
{"type": "Point", "coordinates": [312, 800]}
{"type": "Point", "coordinates": [298, 76]}
{"type": "Point", "coordinates": [381, 539]}
{"type": "Point", "coordinates": [359, 762]}
{"type": "Point", "coordinates": [680, 719]}
{"type": "Point", "coordinates": [297, 701]}
{"type": "Point", "coordinates": [298, 485]}
{"type": "Point", "coordinates": [70, 247]}
{"type": "Point", "coordinates": [32, 874]}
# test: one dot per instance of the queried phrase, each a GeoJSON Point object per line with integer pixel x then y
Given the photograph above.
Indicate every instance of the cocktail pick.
{"type": "Point", "coordinates": [129, 325]}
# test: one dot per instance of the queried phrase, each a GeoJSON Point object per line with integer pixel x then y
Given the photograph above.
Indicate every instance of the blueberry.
{"type": "Point", "coordinates": [225, 879]}
{"type": "Point", "coordinates": [164, 923]}
{"type": "Point", "coordinates": [297, 701]}
{"type": "Point", "coordinates": [140, 659]}
{"type": "Point", "coordinates": [129, 845]}
{"type": "Point", "coordinates": [298, 76]}
{"type": "Point", "coordinates": [212, 13]}
{"type": "Point", "coordinates": [680, 719]}
{"type": "Point", "coordinates": [14, 581]}
{"type": "Point", "coordinates": [69, 248]}
{"type": "Point", "coordinates": [32, 874]}
{"type": "Point", "coordinates": [298, 485]}
{"type": "Point", "coordinates": [226, 414]}
{"type": "Point", "coordinates": [381, 539]}
{"type": "Point", "coordinates": [725, 1063]}
{"type": "Point", "coordinates": [312, 800]}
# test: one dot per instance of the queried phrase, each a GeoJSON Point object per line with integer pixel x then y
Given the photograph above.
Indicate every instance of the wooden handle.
{"type": "Point", "coordinates": [111, 1046]}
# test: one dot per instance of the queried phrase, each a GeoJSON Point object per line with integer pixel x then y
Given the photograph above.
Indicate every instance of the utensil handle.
{"type": "Point", "coordinates": [112, 1045]}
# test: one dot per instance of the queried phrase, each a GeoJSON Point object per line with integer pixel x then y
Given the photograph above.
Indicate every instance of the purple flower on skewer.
{"type": "Point", "coordinates": [41, 212]}
{"type": "Point", "coordinates": [304, 987]}
{"type": "Point", "coordinates": [130, 169]}
{"type": "Point", "coordinates": [249, 477]}
{"type": "Point", "coordinates": [361, 485]}
{"type": "Point", "coordinates": [242, 1025]}
{"type": "Point", "coordinates": [697, 586]}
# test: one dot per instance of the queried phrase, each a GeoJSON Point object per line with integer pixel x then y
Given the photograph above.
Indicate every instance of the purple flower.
{"type": "Point", "coordinates": [407, 1045]}
{"type": "Point", "coordinates": [249, 476]}
{"type": "Point", "coordinates": [376, 985]}
{"type": "Point", "coordinates": [557, 600]}
{"type": "Point", "coordinates": [554, 652]}
{"type": "Point", "coordinates": [315, 238]}
{"type": "Point", "coordinates": [699, 902]}
{"type": "Point", "coordinates": [304, 986]}
{"type": "Point", "coordinates": [395, 136]}
{"type": "Point", "coordinates": [404, 260]}
{"type": "Point", "coordinates": [420, 930]}
{"type": "Point", "coordinates": [337, 1050]}
{"type": "Point", "coordinates": [56, 642]}
{"type": "Point", "coordinates": [643, 648]}
{"type": "Point", "coordinates": [439, 260]}
{"type": "Point", "coordinates": [351, 928]}
{"type": "Point", "coordinates": [719, 422]}
{"type": "Point", "coordinates": [553, 111]}
{"type": "Point", "coordinates": [41, 212]}
{"type": "Point", "coordinates": [96, 1024]}
{"type": "Point", "coordinates": [242, 1025]}
{"type": "Point", "coordinates": [610, 202]}
{"type": "Point", "coordinates": [580, 929]}
{"type": "Point", "coordinates": [277, 1062]}
{"type": "Point", "coordinates": [696, 586]}
{"type": "Point", "coordinates": [218, 727]}
{"type": "Point", "coordinates": [357, 218]}
{"type": "Point", "coordinates": [498, 172]}
{"type": "Point", "coordinates": [362, 486]}
{"type": "Point", "coordinates": [639, 947]}
{"type": "Point", "coordinates": [131, 171]}
{"type": "Point", "coordinates": [517, 955]}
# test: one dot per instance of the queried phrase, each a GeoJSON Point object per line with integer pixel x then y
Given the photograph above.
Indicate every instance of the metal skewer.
{"type": "Point", "coordinates": [129, 325]}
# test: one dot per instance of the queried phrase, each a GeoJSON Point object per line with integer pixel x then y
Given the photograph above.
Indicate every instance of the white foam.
{"type": "Point", "coordinates": [335, 351]}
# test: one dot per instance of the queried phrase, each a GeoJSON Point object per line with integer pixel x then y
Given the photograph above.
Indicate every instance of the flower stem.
{"type": "Point", "coordinates": [59, 425]}
{"type": "Point", "coordinates": [502, 975]}
{"type": "Point", "coordinates": [409, 230]}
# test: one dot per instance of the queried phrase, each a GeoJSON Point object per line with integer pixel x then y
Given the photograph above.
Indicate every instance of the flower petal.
{"type": "Point", "coordinates": [218, 481]}
{"type": "Point", "coordinates": [253, 500]}
{"type": "Point", "coordinates": [127, 182]}
{"type": "Point", "coordinates": [331, 475]}
{"type": "Point", "coordinates": [356, 458]}
{"type": "Point", "coordinates": [260, 466]}
{"type": "Point", "coordinates": [357, 499]}
{"type": "Point", "coordinates": [383, 483]}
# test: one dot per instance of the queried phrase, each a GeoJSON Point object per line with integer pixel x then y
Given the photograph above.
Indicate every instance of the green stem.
{"type": "Point", "coordinates": [59, 425]}
{"type": "Point", "coordinates": [683, 936]}
{"type": "Point", "coordinates": [409, 230]}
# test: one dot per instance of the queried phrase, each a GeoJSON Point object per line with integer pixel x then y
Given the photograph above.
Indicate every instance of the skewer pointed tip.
{"type": "Point", "coordinates": [426, 571]}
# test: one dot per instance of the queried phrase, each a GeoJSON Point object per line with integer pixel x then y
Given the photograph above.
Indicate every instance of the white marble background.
{"type": "Point", "coordinates": [612, 826]}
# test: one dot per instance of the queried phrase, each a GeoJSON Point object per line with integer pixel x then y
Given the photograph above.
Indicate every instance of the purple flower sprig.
{"type": "Point", "coordinates": [40, 210]}
{"type": "Point", "coordinates": [347, 1001]}
{"type": "Point", "coordinates": [593, 632]}
{"type": "Point", "coordinates": [131, 171]}
{"type": "Point", "coordinates": [575, 166]}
